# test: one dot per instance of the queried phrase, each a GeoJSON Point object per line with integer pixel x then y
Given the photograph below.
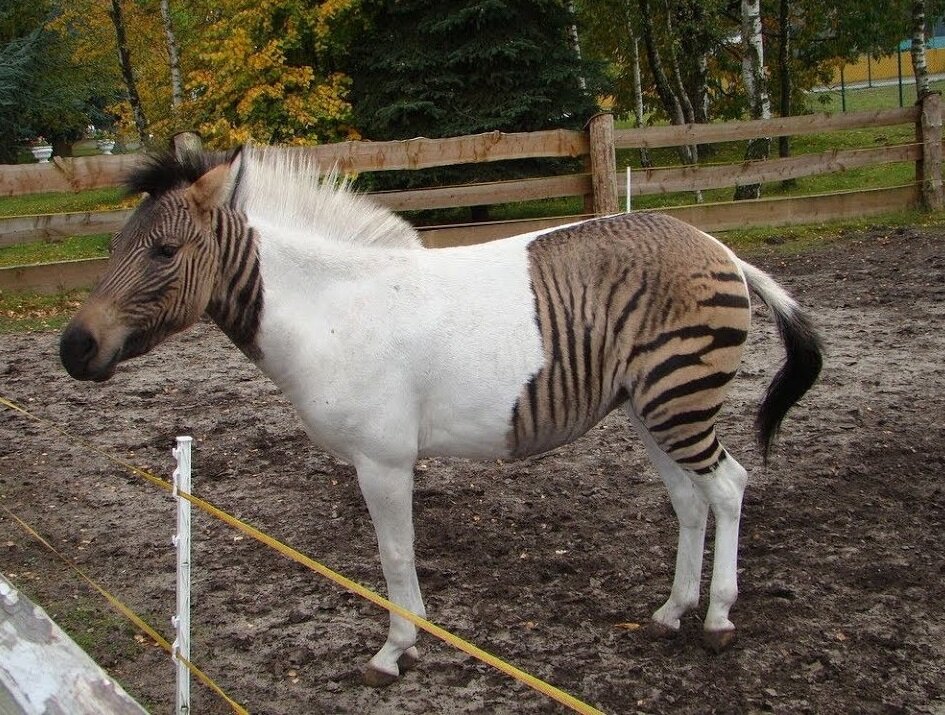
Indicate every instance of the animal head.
{"type": "Point", "coordinates": [163, 268]}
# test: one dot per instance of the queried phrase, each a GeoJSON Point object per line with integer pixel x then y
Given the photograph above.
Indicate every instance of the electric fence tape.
{"type": "Point", "coordinates": [535, 683]}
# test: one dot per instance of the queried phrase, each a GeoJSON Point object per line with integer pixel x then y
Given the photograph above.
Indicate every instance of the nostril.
{"type": "Point", "coordinates": [76, 348]}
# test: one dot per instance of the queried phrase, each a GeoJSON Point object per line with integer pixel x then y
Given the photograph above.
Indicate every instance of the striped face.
{"type": "Point", "coordinates": [640, 309]}
{"type": "Point", "coordinates": [160, 278]}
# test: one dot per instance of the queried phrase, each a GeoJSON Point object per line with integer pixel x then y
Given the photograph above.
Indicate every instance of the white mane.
{"type": "Point", "coordinates": [286, 188]}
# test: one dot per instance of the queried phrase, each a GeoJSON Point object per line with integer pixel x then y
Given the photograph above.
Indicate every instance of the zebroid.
{"type": "Point", "coordinates": [391, 352]}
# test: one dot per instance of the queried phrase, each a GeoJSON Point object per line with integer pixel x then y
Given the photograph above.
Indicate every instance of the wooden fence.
{"type": "Point", "coordinates": [43, 670]}
{"type": "Point", "coordinates": [597, 183]}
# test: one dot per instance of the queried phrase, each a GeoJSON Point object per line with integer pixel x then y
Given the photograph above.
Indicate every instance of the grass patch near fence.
{"type": "Point", "coordinates": [28, 312]}
{"type": "Point", "coordinates": [69, 249]}
{"type": "Point", "coordinates": [879, 96]}
{"type": "Point", "coordinates": [103, 199]}
{"type": "Point", "coordinates": [790, 240]}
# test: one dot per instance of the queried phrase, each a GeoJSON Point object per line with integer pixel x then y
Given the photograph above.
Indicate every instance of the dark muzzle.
{"type": "Point", "coordinates": [77, 350]}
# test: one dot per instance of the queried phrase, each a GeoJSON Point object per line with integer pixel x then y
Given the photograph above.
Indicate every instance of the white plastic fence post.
{"type": "Point", "coordinates": [628, 189]}
{"type": "Point", "coordinates": [182, 541]}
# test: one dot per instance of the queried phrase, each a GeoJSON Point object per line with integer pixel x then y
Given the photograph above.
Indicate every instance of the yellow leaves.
{"type": "Point", "coordinates": [258, 75]}
{"type": "Point", "coordinates": [252, 68]}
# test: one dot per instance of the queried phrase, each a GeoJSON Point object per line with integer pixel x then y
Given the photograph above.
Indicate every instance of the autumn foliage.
{"type": "Point", "coordinates": [253, 69]}
{"type": "Point", "coordinates": [261, 73]}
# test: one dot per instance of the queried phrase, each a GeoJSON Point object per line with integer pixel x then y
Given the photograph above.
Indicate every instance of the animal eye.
{"type": "Point", "coordinates": [166, 250]}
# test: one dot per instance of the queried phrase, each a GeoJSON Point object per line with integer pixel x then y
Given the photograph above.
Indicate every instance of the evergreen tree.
{"type": "Point", "coordinates": [41, 91]}
{"type": "Point", "coordinates": [455, 67]}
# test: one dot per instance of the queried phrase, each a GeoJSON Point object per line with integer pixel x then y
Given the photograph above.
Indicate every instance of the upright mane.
{"type": "Point", "coordinates": [286, 188]}
{"type": "Point", "coordinates": [162, 172]}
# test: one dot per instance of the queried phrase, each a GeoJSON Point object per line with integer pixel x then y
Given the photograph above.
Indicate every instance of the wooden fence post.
{"type": "Point", "coordinates": [929, 167]}
{"type": "Point", "coordinates": [43, 670]}
{"type": "Point", "coordinates": [186, 142]}
{"type": "Point", "coordinates": [603, 163]}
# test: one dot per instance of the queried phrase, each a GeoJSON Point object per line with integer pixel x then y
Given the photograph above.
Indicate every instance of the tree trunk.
{"type": "Point", "coordinates": [784, 70]}
{"type": "Point", "coordinates": [784, 74]}
{"type": "Point", "coordinates": [701, 89]}
{"type": "Point", "coordinates": [664, 89]}
{"type": "Point", "coordinates": [919, 67]}
{"type": "Point", "coordinates": [124, 58]}
{"type": "Point", "coordinates": [177, 84]}
{"type": "Point", "coordinates": [753, 74]}
{"type": "Point", "coordinates": [574, 39]}
{"type": "Point", "coordinates": [684, 100]}
{"type": "Point", "coordinates": [638, 97]}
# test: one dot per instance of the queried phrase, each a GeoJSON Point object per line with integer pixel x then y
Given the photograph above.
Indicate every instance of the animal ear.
{"type": "Point", "coordinates": [215, 188]}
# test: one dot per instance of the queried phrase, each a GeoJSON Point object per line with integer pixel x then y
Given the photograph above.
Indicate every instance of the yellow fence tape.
{"type": "Point", "coordinates": [124, 610]}
{"type": "Point", "coordinates": [459, 643]}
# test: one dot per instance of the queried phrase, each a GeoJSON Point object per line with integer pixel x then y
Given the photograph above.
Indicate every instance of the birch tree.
{"type": "Point", "coordinates": [173, 55]}
{"type": "Point", "coordinates": [638, 96]}
{"type": "Point", "coordinates": [919, 67]}
{"type": "Point", "coordinates": [756, 87]}
{"type": "Point", "coordinates": [664, 90]}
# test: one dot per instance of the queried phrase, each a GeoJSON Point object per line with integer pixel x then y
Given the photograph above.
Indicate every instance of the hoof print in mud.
{"type": "Point", "coordinates": [718, 641]}
{"type": "Point", "coordinates": [655, 630]}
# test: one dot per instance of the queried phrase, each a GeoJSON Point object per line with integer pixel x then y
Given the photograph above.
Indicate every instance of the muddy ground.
{"type": "Point", "coordinates": [842, 568]}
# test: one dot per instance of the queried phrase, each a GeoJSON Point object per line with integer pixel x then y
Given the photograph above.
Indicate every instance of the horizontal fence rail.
{"type": "Point", "coordinates": [69, 174]}
{"type": "Point", "coordinates": [685, 134]}
{"type": "Point", "coordinates": [81, 173]}
{"type": "Point", "coordinates": [689, 178]}
{"type": "Point", "coordinates": [724, 216]}
{"type": "Point", "coordinates": [52, 227]}
{"type": "Point", "coordinates": [600, 188]}
{"type": "Point", "coordinates": [496, 192]}
{"type": "Point", "coordinates": [423, 153]}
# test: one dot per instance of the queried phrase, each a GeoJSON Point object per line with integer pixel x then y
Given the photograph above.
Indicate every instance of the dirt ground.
{"type": "Point", "coordinates": [842, 562]}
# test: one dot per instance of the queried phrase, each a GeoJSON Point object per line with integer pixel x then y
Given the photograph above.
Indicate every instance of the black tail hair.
{"type": "Point", "coordinates": [796, 376]}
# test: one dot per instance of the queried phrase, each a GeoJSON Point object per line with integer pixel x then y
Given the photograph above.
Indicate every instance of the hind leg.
{"type": "Point", "coordinates": [692, 510]}
{"type": "Point", "coordinates": [723, 488]}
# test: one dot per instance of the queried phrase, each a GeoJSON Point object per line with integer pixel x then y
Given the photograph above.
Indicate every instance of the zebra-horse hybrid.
{"type": "Point", "coordinates": [390, 351]}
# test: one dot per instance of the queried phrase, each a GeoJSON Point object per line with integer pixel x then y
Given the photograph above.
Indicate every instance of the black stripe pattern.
{"type": "Point", "coordinates": [169, 266]}
{"type": "Point", "coordinates": [641, 310]}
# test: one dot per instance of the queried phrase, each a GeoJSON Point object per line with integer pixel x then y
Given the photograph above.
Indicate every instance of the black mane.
{"type": "Point", "coordinates": [164, 171]}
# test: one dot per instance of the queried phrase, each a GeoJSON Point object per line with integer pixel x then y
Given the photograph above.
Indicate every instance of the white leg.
{"type": "Point", "coordinates": [723, 488]}
{"type": "Point", "coordinates": [692, 511]}
{"type": "Point", "coordinates": [388, 492]}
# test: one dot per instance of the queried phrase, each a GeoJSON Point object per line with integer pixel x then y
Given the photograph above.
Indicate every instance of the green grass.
{"type": "Point", "coordinates": [92, 200]}
{"type": "Point", "coordinates": [96, 629]}
{"type": "Point", "coordinates": [69, 249]}
{"type": "Point", "coordinates": [789, 240]}
{"type": "Point", "coordinates": [858, 99]}
{"type": "Point", "coordinates": [23, 312]}
{"type": "Point", "coordinates": [28, 312]}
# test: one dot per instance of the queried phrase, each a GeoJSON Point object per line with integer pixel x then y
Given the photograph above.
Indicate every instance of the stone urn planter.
{"type": "Point", "coordinates": [106, 145]}
{"type": "Point", "coordinates": [42, 152]}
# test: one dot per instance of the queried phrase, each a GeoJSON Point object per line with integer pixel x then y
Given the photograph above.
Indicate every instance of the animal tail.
{"type": "Point", "coordinates": [802, 364]}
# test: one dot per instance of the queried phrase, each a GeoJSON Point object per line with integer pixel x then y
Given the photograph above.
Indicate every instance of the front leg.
{"type": "Point", "coordinates": [388, 492]}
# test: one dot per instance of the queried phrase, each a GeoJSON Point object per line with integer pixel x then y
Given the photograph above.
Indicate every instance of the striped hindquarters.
{"type": "Point", "coordinates": [641, 309]}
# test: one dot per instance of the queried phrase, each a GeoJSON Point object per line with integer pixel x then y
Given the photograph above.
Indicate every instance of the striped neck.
{"type": "Point", "coordinates": [236, 304]}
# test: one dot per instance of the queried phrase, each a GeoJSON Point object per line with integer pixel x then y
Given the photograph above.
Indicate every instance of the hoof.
{"type": "Point", "coordinates": [378, 678]}
{"type": "Point", "coordinates": [718, 641]}
{"type": "Point", "coordinates": [408, 660]}
{"type": "Point", "coordinates": [660, 631]}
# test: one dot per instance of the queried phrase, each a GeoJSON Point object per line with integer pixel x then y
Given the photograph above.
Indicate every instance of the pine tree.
{"type": "Point", "coordinates": [439, 69]}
